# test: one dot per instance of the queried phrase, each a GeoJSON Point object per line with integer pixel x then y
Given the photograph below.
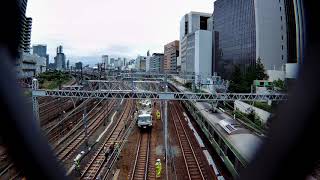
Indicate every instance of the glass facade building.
{"type": "Point", "coordinates": [235, 32]}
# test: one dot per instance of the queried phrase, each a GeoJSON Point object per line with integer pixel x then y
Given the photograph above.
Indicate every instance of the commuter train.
{"type": "Point", "coordinates": [144, 114]}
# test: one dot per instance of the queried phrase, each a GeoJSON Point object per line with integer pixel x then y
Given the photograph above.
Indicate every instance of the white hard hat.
{"type": "Point", "coordinates": [158, 160]}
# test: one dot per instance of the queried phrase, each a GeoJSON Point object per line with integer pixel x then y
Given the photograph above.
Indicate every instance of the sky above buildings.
{"type": "Point", "coordinates": [125, 28]}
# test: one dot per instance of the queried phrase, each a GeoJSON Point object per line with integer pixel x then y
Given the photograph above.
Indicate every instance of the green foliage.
{"type": "Point", "coordinates": [279, 85]}
{"type": "Point", "coordinates": [188, 85]}
{"type": "Point", "coordinates": [263, 105]}
{"type": "Point", "coordinates": [251, 116]}
{"type": "Point", "coordinates": [240, 82]}
{"type": "Point", "coordinates": [251, 119]}
{"type": "Point", "coordinates": [260, 71]}
{"type": "Point", "coordinates": [53, 79]}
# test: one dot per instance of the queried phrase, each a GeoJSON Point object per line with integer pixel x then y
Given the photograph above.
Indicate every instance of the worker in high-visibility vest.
{"type": "Point", "coordinates": [77, 167]}
{"type": "Point", "coordinates": [158, 168]}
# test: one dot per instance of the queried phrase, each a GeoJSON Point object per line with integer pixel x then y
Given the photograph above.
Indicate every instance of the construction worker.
{"type": "Point", "coordinates": [77, 167]}
{"type": "Point", "coordinates": [158, 168]}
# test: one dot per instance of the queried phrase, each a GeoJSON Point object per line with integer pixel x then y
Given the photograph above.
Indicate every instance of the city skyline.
{"type": "Point", "coordinates": [86, 31]}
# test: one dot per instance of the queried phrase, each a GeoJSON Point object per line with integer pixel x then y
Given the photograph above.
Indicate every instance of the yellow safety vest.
{"type": "Point", "coordinates": [158, 169]}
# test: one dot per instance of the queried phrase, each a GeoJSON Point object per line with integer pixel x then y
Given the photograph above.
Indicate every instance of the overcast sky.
{"type": "Point", "coordinates": [89, 28]}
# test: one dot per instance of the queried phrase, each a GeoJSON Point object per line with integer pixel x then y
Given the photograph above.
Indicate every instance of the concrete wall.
{"type": "Point", "coordinates": [244, 107]}
{"type": "Point", "coordinates": [275, 75]}
{"type": "Point", "coordinates": [203, 55]}
{"type": "Point", "coordinates": [269, 32]}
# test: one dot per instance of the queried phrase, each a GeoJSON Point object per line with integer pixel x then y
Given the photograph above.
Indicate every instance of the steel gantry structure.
{"type": "Point", "coordinates": [100, 89]}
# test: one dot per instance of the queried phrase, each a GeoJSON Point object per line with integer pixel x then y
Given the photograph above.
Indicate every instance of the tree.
{"type": "Point", "coordinates": [241, 82]}
{"type": "Point", "coordinates": [236, 80]}
{"type": "Point", "coordinates": [279, 85]}
{"type": "Point", "coordinates": [252, 116]}
{"type": "Point", "coordinates": [260, 71]}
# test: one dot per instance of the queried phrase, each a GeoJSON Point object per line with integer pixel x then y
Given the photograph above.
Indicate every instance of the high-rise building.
{"type": "Point", "coordinates": [111, 61]}
{"type": "Point", "coordinates": [68, 62]}
{"type": "Point", "coordinates": [105, 61]}
{"type": "Point", "coordinates": [196, 45]}
{"type": "Point", "coordinates": [60, 59]}
{"type": "Point", "coordinates": [27, 35]}
{"type": "Point", "coordinates": [171, 53]}
{"type": "Point", "coordinates": [141, 63]}
{"type": "Point", "coordinates": [156, 63]}
{"type": "Point", "coordinates": [22, 23]}
{"type": "Point", "coordinates": [246, 30]}
{"type": "Point", "coordinates": [78, 65]}
{"type": "Point", "coordinates": [40, 50]}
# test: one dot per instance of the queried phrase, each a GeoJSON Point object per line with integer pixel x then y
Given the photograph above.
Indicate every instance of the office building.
{"type": "Point", "coordinates": [41, 50]}
{"type": "Point", "coordinates": [156, 63]}
{"type": "Point", "coordinates": [68, 63]}
{"type": "Point", "coordinates": [105, 61]}
{"type": "Point", "coordinates": [171, 53]}
{"type": "Point", "coordinates": [246, 30]}
{"type": "Point", "coordinates": [141, 63]}
{"type": "Point", "coordinates": [60, 59]}
{"type": "Point", "coordinates": [78, 65]}
{"type": "Point", "coordinates": [196, 45]}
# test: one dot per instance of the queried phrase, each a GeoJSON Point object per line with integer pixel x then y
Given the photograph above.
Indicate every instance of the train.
{"type": "Point", "coordinates": [144, 114]}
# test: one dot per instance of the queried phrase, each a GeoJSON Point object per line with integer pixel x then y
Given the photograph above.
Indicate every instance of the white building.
{"type": "Point", "coordinates": [271, 37]}
{"type": "Point", "coordinates": [196, 44]}
{"type": "Point", "coordinates": [30, 65]}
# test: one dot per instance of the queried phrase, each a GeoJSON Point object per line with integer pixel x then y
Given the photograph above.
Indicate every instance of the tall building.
{"type": "Point", "coordinates": [60, 59]}
{"type": "Point", "coordinates": [141, 63]}
{"type": "Point", "coordinates": [68, 62]}
{"type": "Point", "coordinates": [41, 50]}
{"type": "Point", "coordinates": [27, 35]}
{"type": "Point", "coordinates": [78, 65]}
{"type": "Point", "coordinates": [171, 53]}
{"type": "Point", "coordinates": [196, 45]}
{"type": "Point", "coordinates": [246, 30]}
{"type": "Point", "coordinates": [156, 63]}
{"type": "Point", "coordinates": [22, 24]}
{"type": "Point", "coordinates": [105, 61]}
{"type": "Point", "coordinates": [111, 61]}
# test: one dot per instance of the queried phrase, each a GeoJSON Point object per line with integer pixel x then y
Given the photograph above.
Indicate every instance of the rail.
{"type": "Point", "coordinates": [140, 168]}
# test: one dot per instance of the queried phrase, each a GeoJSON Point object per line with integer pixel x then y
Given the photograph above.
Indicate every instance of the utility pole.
{"type": "Point", "coordinates": [81, 78]}
{"type": "Point", "coordinates": [85, 125]}
{"type": "Point", "coordinates": [166, 126]}
{"type": "Point", "coordinates": [35, 104]}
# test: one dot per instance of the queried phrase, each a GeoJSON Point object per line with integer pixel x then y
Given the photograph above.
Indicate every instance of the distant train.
{"type": "Point", "coordinates": [144, 114]}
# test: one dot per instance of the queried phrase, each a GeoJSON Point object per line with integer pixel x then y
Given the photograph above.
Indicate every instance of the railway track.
{"type": "Point", "coordinates": [10, 172]}
{"type": "Point", "coordinates": [141, 163]}
{"type": "Point", "coordinates": [65, 152]}
{"type": "Point", "coordinates": [96, 163]}
{"type": "Point", "coordinates": [193, 168]}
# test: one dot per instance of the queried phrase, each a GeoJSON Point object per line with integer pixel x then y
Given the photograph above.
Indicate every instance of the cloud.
{"type": "Point", "coordinates": [115, 27]}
